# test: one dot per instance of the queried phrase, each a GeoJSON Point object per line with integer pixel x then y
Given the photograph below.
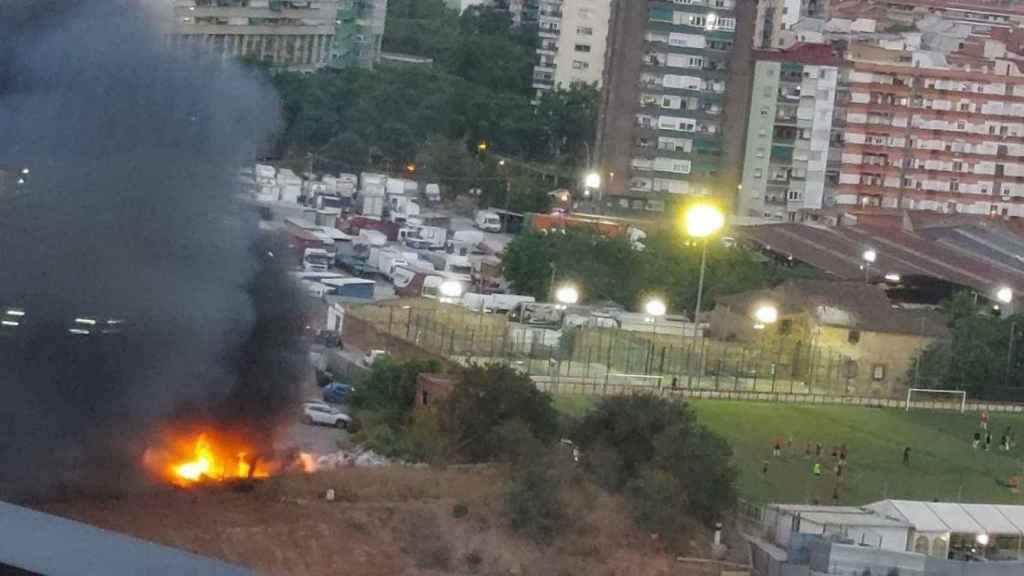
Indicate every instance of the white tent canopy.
{"type": "Point", "coordinates": [954, 517]}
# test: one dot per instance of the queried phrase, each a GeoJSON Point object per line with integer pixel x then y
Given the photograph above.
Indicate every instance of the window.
{"type": "Point", "coordinates": [586, 13]}
{"type": "Point", "coordinates": [958, 166]}
{"type": "Point", "coordinates": [696, 21]}
{"type": "Point", "coordinates": [583, 47]}
{"type": "Point", "coordinates": [878, 372]}
{"type": "Point", "coordinates": [853, 337]}
{"type": "Point", "coordinates": [961, 125]}
{"type": "Point", "coordinates": [584, 30]}
{"type": "Point", "coordinates": [758, 173]}
{"type": "Point", "coordinates": [726, 23]}
{"type": "Point", "coordinates": [580, 65]}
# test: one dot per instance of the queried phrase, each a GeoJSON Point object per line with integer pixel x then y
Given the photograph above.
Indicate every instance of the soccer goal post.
{"type": "Point", "coordinates": [949, 398]}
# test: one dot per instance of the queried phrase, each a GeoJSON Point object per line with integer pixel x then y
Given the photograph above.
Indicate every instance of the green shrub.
{"type": "Point", "coordinates": [473, 417]}
{"type": "Point", "coordinates": [534, 505]}
{"type": "Point", "coordinates": [658, 502]}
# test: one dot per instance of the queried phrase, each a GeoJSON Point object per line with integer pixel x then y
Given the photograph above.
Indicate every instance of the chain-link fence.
{"type": "Point", "coordinates": [615, 356]}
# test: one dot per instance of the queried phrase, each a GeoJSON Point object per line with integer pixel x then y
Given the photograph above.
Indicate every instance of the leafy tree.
{"type": "Point", "coordinates": [627, 426]}
{"type": "Point", "coordinates": [390, 390]}
{"type": "Point", "coordinates": [661, 456]}
{"type": "Point", "coordinates": [610, 269]}
{"type": "Point", "coordinates": [569, 117]}
{"type": "Point", "coordinates": [484, 401]}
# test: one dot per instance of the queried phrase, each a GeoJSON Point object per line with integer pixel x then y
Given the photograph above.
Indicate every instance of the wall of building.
{"type": "Point", "coordinates": [296, 35]}
{"type": "Point", "coordinates": [760, 127]}
{"type": "Point", "coordinates": [582, 41]}
{"type": "Point", "coordinates": [936, 139]}
{"type": "Point", "coordinates": [668, 139]}
{"type": "Point", "coordinates": [894, 353]}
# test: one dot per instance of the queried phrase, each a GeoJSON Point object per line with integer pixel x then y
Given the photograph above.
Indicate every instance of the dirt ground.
{"type": "Point", "coordinates": [385, 521]}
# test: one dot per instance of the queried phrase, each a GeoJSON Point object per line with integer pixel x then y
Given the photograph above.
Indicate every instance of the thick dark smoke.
{"type": "Point", "coordinates": [128, 214]}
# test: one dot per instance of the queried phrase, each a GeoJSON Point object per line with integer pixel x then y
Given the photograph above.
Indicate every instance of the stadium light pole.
{"type": "Point", "coordinates": [869, 257]}
{"type": "Point", "coordinates": [1005, 296]}
{"type": "Point", "coordinates": [702, 221]}
{"type": "Point", "coordinates": [655, 308]}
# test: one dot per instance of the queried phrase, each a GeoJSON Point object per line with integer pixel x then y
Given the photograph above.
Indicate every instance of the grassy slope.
{"type": "Point", "coordinates": [943, 465]}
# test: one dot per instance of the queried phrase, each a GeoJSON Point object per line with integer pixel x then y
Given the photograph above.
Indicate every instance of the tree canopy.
{"type": "Point", "coordinates": [607, 268]}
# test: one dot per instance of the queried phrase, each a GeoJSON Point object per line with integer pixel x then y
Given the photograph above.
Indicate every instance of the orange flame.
{"type": "Point", "coordinates": [189, 458]}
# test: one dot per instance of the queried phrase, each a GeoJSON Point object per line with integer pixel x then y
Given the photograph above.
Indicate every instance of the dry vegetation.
{"type": "Point", "coordinates": [385, 521]}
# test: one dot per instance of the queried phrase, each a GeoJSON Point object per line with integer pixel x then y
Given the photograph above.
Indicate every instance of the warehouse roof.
{"type": "Point", "coordinates": [45, 544]}
{"type": "Point", "coordinates": [983, 257]}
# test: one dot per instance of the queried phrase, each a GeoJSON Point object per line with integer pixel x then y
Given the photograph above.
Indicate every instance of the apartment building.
{"type": "Point", "coordinates": [928, 130]}
{"type": "Point", "coordinates": [787, 165]}
{"type": "Point", "coordinates": [774, 21]}
{"type": "Point", "coordinates": [660, 127]}
{"type": "Point", "coordinates": [294, 34]}
{"type": "Point", "coordinates": [359, 31]}
{"type": "Point", "coordinates": [573, 39]}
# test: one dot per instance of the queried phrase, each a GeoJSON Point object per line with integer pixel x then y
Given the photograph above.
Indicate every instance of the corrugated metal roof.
{"type": "Point", "coordinates": [46, 544]}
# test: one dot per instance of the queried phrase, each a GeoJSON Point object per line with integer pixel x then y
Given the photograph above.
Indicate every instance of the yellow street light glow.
{"type": "Point", "coordinates": [767, 314]}
{"type": "Point", "coordinates": [567, 294]}
{"type": "Point", "coordinates": [1005, 295]}
{"type": "Point", "coordinates": [655, 307]}
{"type": "Point", "coordinates": [703, 220]}
{"type": "Point", "coordinates": [593, 180]}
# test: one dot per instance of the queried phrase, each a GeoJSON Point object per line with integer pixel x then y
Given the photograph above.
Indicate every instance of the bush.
{"type": "Point", "coordinates": [534, 505]}
{"type": "Point", "coordinates": [620, 432]}
{"type": "Point", "coordinates": [485, 399]}
{"type": "Point", "coordinates": [390, 389]}
{"type": "Point", "coordinates": [658, 502]}
{"type": "Point", "coordinates": [669, 466]}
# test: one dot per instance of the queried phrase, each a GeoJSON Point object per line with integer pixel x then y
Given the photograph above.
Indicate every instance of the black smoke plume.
{"type": "Point", "coordinates": [134, 287]}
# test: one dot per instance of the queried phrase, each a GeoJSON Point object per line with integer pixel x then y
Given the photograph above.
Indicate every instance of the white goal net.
{"type": "Point", "coordinates": [930, 398]}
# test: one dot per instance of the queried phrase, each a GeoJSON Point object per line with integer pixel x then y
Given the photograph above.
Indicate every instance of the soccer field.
{"type": "Point", "coordinates": [942, 463]}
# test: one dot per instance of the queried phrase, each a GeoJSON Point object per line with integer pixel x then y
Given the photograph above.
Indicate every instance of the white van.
{"type": "Point", "coordinates": [487, 221]}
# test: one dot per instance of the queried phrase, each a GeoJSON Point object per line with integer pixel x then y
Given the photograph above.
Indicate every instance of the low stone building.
{"type": "Point", "coordinates": [876, 339]}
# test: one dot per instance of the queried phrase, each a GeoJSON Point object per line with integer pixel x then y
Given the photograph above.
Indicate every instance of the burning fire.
{"type": "Point", "coordinates": [187, 459]}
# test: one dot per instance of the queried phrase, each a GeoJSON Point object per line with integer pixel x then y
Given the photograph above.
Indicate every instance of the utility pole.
{"type": "Point", "coordinates": [1009, 354]}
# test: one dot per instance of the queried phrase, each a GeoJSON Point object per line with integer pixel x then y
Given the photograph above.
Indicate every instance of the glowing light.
{"type": "Point", "coordinates": [893, 277]}
{"type": "Point", "coordinates": [9, 323]}
{"type": "Point", "coordinates": [982, 539]}
{"type": "Point", "coordinates": [592, 180]}
{"type": "Point", "coordinates": [567, 294]}
{"type": "Point", "coordinates": [870, 256]}
{"type": "Point", "coordinates": [79, 331]}
{"type": "Point", "coordinates": [703, 220]}
{"type": "Point", "coordinates": [15, 312]}
{"type": "Point", "coordinates": [87, 321]}
{"type": "Point", "coordinates": [450, 289]}
{"type": "Point", "coordinates": [766, 314]}
{"type": "Point", "coordinates": [655, 307]}
{"type": "Point", "coordinates": [1005, 295]}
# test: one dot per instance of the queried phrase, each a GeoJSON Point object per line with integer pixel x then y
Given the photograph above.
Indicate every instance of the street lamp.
{"type": "Point", "coordinates": [592, 180]}
{"type": "Point", "coordinates": [765, 314]}
{"type": "Point", "coordinates": [1005, 295]}
{"type": "Point", "coordinates": [702, 221]}
{"type": "Point", "coordinates": [567, 294]}
{"type": "Point", "coordinates": [655, 308]}
{"type": "Point", "coordinates": [869, 257]}
{"type": "Point", "coordinates": [450, 290]}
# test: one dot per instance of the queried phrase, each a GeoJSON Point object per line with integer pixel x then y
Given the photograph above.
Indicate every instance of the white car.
{"type": "Point", "coordinates": [317, 412]}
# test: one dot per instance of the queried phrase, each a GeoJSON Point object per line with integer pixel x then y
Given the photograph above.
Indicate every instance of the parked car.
{"type": "Point", "coordinates": [370, 357]}
{"type": "Point", "coordinates": [336, 392]}
{"type": "Point", "coordinates": [316, 412]}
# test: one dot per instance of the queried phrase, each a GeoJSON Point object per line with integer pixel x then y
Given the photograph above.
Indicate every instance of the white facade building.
{"type": "Point", "coordinates": [573, 40]}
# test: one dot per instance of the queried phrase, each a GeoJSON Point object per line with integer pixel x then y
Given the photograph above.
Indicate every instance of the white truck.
{"type": "Point", "coordinates": [388, 261]}
{"type": "Point", "coordinates": [423, 237]}
{"type": "Point", "coordinates": [453, 266]}
{"type": "Point", "coordinates": [316, 260]}
{"type": "Point", "coordinates": [494, 302]}
{"type": "Point", "coordinates": [464, 242]}
{"type": "Point", "coordinates": [487, 221]}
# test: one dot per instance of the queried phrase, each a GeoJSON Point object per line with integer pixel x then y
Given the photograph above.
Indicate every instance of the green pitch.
{"type": "Point", "coordinates": [942, 465]}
